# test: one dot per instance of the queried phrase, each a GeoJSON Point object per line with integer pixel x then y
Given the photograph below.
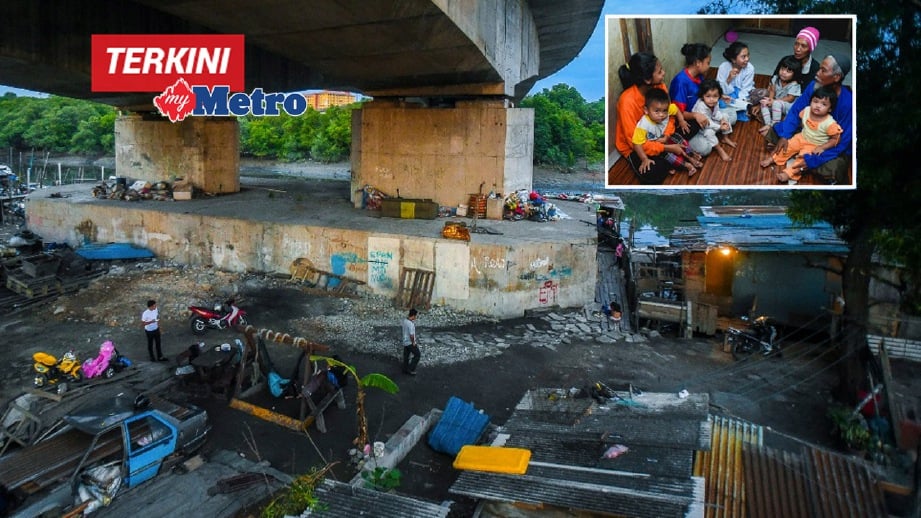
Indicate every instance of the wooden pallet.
{"type": "Point", "coordinates": [415, 288]}
{"type": "Point", "coordinates": [31, 287]}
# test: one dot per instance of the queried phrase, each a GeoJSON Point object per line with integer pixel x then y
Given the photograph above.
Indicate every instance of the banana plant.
{"type": "Point", "coordinates": [373, 380]}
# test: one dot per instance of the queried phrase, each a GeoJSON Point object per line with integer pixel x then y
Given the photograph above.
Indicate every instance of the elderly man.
{"type": "Point", "coordinates": [833, 164]}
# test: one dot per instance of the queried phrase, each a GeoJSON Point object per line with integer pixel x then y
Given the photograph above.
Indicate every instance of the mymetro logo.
{"type": "Point", "coordinates": [196, 74]}
{"type": "Point", "coordinates": [176, 102]}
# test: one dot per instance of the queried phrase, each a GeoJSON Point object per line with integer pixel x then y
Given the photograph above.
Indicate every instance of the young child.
{"type": "Point", "coordinates": [782, 91]}
{"type": "Point", "coordinates": [819, 133]}
{"type": "Point", "coordinates": [657, 126]}
{"type": "Point", "coordinates": [708, 104]}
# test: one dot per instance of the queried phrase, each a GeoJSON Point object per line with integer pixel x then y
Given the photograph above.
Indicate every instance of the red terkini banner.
{"type": "Point", "coordinates": [152, 62]}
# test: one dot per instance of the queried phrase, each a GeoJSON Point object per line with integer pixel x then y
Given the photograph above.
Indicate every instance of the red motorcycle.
{"type": "Point", "coordinates": [223, 316]}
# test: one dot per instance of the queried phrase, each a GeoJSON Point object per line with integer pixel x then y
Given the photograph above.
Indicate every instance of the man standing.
{"type": "Point", "coordinates": [151, 322]}
{"type": "Point", "coordinates": [410, 346]}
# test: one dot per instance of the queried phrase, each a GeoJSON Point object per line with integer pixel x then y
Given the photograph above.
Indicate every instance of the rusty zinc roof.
{"type": "Point", "coordinates": [745, 479]}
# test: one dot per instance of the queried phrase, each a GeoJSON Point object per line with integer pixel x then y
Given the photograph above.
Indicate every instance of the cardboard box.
{"type": "Point", "coordinates": [494, 208]}
{"type": "Point", "coordinates": [182, 195]}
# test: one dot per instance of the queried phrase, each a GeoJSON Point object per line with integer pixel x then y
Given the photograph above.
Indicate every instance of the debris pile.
{"type": "Point", "coordinates": [139, 190]}
{"type": "Point", "coordinates": [530, 205]}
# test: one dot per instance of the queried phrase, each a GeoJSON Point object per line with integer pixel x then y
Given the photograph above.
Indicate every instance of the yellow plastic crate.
{"type": "Point", "coordinates": [513, 461]}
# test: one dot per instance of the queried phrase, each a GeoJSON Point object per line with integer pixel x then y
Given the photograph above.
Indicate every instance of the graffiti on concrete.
{"type": "Point", "coordinates": [540, 262]}
{"type": "Point", "coordinates": [487, 262]}
{"type": "Point", "coordinates": [339, 263]}
{"type": "Point", "coordinates": [547, 293]}
{"type": "Point", "coordinates": [378, 261]}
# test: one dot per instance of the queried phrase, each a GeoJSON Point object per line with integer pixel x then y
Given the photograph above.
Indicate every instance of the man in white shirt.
{"type": "Point", "coordinates": [410, 346]}
{"type": "Point", "coordinates": [150, 319]}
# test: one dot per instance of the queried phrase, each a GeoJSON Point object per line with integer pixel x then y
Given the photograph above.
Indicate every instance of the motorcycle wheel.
{"type": "Point", "coordinates": [741, 349]}
{"type": "Point", "coordinates": [199, 325]}
{"type": "Point", "coordinates": [110, 372]}
{"type": "Point", "coordinates": [40, 381]}
{"type": "Point", "coordinates": [242, 321]}
{"type": "Point", "coordinates": [77, 376]}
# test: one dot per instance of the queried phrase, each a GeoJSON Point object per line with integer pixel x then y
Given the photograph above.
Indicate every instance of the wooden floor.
{"type": "Point", "coordinates": [742, 170]}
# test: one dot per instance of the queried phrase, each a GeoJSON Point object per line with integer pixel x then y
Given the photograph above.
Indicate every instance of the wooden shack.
{"type": "Point", "coordinates": [750, 260]}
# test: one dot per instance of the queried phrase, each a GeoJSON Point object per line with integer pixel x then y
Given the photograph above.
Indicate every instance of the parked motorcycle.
{"type": "Point", "coordinates": [761, 335]}
{"type": "Point", "coordinates": [50, 371]}
{"type": "Point", "coordinates": [223, 316]}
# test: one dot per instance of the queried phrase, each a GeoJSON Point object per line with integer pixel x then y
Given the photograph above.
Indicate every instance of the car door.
{"type": "Point", "coordinates": [150, 439]}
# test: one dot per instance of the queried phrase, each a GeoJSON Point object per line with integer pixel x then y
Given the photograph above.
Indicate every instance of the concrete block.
{"type": "Point", "coordinates": [400, 443]}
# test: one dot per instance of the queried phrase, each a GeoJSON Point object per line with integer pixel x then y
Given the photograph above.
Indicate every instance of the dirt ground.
{"type": "Point", "coordinates": [788, 395]}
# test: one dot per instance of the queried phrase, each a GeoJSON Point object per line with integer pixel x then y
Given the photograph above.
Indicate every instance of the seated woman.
{"type": "Point", "coordinates": [641, 73]}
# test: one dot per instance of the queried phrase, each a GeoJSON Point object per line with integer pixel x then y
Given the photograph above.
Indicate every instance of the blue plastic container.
{"type": "Point", "coordinates": [460, 424]}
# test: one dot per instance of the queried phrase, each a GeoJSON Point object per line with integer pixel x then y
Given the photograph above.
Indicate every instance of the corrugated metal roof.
{"type": "Point", "coordinates": [759, 239]}
{"type": "Point", "coordinates": [568, 438]}
{"type": "Point", "coordinates": [339, 500]}
{"type": "Point", "coordinates": [841, 486]}
{"type": "Point", "coordinates": [756, 229]}
{"type": "Point", "coordinates": [747, 480]}
{"type": "Point", "coordinates": [722, 465]}
{"type": "Point", "coordinates": [593, 491]}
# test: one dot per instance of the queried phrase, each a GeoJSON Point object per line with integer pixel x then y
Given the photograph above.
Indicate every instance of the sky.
{"type": "Point", "coordinates": [586, 72]}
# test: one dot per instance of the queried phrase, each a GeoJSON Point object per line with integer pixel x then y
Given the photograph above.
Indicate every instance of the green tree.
{"type": "Point", "coordinates": [333, 142]}
{"type": "Point", "coordinates": [57, 124]}
{"type": "Point", "coordinates": [566, 128]}
{"type": "Point", "coordinates": [881, 216]}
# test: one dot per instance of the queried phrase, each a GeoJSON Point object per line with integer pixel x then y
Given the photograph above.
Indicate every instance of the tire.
{"type": "Point", "coordinates": [242, 321]}
{"type": "Point", "coordinates": [198, 325]}
{"type": "Point", "coordinates": [109, 372]}
{"type": "Point", "coordinates": [77, 376]}
{"type": "Point", "coordinates": [741, 348]}
{"type": "Point", "coordinates": [40, 381]}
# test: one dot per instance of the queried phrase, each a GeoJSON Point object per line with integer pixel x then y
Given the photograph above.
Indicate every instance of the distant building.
{"type": "Point", "coordinates": [320, 101]}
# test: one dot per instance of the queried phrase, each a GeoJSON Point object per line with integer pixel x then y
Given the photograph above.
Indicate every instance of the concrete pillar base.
{"type": "Point", "coordinates": [441, 153]}
{"type": "Point", "coordinates": [203, 151]}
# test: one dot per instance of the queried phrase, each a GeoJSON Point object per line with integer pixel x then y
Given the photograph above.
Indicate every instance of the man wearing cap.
{"type": "Point", "coordinates": [832, 164]}
{"type": "Point", "coordinates": [803, 47]}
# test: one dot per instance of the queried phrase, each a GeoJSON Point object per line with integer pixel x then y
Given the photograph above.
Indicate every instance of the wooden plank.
{"type": "Point", "coordinates": [744, 169]}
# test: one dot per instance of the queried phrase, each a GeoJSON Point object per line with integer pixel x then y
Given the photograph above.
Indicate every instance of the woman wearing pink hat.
{"type": "Point", "coordinates": [803, 47]}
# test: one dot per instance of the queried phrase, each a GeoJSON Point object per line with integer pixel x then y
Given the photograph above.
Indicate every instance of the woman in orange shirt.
{"type": "Point", "coordinates": [642, 72]}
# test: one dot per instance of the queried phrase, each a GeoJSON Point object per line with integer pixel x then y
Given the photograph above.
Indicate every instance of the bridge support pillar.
{"type": "Point", "coordinates": [441, 153]}
{"type": "Point", "coordinates": [203, 151]}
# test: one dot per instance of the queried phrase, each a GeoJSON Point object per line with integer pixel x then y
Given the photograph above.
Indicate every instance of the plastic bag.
{"type": "Point", "coordinates": [615, 451]}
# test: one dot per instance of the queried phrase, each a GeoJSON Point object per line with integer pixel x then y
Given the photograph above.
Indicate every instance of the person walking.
{"type": "Point", "coordinates": [150, 319]}
{"type": "Point", "coordinates": [410, 345]}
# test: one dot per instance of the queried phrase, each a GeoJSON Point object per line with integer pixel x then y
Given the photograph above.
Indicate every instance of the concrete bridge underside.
{"type": "Point", "coordinates": [444, 74]}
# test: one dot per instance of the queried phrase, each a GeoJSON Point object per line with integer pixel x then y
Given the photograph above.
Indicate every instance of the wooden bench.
{"type": "Point", "coordinates": [316, 409]}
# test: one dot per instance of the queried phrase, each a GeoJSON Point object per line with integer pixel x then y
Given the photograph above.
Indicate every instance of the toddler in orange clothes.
{"type": "Point", "coordinates": [655, 126]}
{"type": "Point", "coordinates": [819, 133]}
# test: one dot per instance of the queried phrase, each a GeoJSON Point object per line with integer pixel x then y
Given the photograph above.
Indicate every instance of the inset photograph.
{"type": "Point", "coordinates": [730, 102]}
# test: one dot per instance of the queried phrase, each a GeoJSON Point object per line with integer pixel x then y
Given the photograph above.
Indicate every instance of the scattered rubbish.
{"type": "Point", "coordinates": [615, 451]}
